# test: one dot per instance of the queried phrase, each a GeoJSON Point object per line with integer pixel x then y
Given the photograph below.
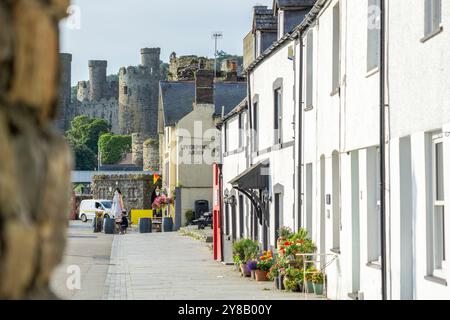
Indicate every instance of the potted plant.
{"type": "Point", "coordinates": [284, 234]}
{"type": "Point", "coordinates": [246, 250]}
{"type": "Point", "coordinates": [318, 280]}
{"type": "Point", "coordinates": [290, 279]}
{"type": "Point", "coordinates": [252, 267]}
{"type": "Point", "coordinates": [273, 275]}
{"type": "Point", "coordinates": [237, 262]}
{"type": "Point", "coordinates": [299, 279]}
{"type": "Point", "coordinates": [264, 265]}
{"type": "Point", "coordinates": [310, 272]}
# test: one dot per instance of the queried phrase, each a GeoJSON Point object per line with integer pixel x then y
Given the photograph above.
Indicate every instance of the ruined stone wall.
{"type": "Point", "coordinates": [138, 96]}
{"type": "Point", "coordinates": [183, 68]}
{"type": "Point", "coordinates": [137, 149]}
{"type": "Point", "coordinates": [136, 189]}
{"type": "Point", "coordinates": [102, 109]}
{"type": "Point", "coordinates": [151, 155]}
{"type": "Point", "coordinates": [65, 91]}
{"type": "Point", "coordinates": [35, 162]}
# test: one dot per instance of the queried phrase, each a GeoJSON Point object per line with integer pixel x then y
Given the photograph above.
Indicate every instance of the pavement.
{"type": "Point", "coordinates": [154, 266]}
{"type": "Point", "coordinates": [91, 253]}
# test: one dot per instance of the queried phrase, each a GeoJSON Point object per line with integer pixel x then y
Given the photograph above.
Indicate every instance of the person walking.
{"type": "Point", "coordinates": [117, 206]}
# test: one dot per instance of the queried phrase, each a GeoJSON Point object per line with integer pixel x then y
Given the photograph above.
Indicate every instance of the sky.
{"type": "Point", "coordinates": [115, 30]}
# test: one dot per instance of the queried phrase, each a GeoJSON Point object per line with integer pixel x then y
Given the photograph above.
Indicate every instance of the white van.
{"type": "Point", "coordinates": [88, 208]}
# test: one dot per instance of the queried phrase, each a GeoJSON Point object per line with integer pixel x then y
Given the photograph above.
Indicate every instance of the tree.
{"type": "Point", "coordinates": [83, 137]}
{"type": "Point", "coordinates": [113, 146]}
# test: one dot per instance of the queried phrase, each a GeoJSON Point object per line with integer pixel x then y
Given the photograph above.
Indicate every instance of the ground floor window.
{"type": "Point", "coordinates": [437, 209]}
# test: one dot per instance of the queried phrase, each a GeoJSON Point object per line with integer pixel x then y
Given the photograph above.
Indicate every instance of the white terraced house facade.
{"type": "Point", "coordinates": [314, 102]}
{"type": "Point", "coordinates": [339, 135]}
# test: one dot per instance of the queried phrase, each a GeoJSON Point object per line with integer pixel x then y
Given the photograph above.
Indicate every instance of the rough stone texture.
{"type": "Point", "coordinates": [136, 189]}
{"type": "Point", "coordinates": [138, 95]}
{"type": "Point", "coordinates": [65, 90]}
{"type": "Point", "coordinates": [107, 109]}
{"type": "Point", "coordinates": [151, 155]}
{"type": "Point", "coordinates": [184, 68]}
{"type": "Point", "coordinates": [137, 150]}
{"type": "Point", "coordinates": [35, 162]}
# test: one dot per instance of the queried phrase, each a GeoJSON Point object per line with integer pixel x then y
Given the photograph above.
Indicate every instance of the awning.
{"type": "Point", "coordinates": [255, 177]}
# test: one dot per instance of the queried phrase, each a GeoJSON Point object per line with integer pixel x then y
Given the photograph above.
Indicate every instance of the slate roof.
{"type": "Point", "coordinates": [178, 97]}
{"type": "Point", "coordinates": [264, 19]}
{"type": "Point", "coordinates": [293, 3]}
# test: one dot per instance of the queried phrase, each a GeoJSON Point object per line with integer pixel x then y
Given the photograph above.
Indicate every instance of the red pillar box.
{"type": "Point", "coordinates": [217, 206]}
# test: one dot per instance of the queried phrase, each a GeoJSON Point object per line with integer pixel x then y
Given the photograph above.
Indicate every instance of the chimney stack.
{"type": "Point", "coordinates": [204, 87]}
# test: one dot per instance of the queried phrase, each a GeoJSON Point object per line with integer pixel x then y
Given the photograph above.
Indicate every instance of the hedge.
{"type": "Point", "coordinates": [112, 147]}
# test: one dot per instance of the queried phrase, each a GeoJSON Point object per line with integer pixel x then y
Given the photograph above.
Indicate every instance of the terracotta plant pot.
{"type": "Point", "coordinates": [261, 275]}
{"type": "Point", "coordinates": [244, 270]}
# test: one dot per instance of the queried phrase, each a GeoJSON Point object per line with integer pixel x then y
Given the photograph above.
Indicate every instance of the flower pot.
{"type": "Point", "coordinates": [244, 270]}
{"type": "Point", "coordinates": [280, 283]}
{"type": "Point", "coordinates": [318, 289]}
{"type": "Point", "coordinates": [309, 287]}
{"type": "Point", "coordinates": [261, 275]}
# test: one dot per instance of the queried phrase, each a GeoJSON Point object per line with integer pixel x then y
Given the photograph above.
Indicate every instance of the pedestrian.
{"type": "Point", "coordinates": [117, 206]}
{"type": "Point", "coordinates": [123, 224]}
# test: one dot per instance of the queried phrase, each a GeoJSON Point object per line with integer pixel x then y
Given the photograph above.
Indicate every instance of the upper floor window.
{"type": "Point", "coordinates": [309, 69]}
{"type": "Point", "coordinates": [277, 116]}
{"type": "Point", "coordinates": [241, 130]}
{"type": "Point", "coordinates": [433, 16]}
{"type": "Point", "coordinates": [255, 127]}
{"type": "Point", "coordinates": [373, 34]}
{"type": "Point", "coordinates": [336, 46]}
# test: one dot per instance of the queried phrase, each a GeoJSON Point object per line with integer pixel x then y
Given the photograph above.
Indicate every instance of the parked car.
{"type": "Point", "coordinates": [88, 208]}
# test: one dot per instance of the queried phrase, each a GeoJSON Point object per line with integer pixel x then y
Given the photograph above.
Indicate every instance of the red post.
{"type": "Point", "coordinates": [217, 205]}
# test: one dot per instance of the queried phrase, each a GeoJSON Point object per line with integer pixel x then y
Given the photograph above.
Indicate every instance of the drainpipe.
{"type": "Point", "coordinates": [300, 131]}
{"type": "Point", "coordinates": [383, 150]}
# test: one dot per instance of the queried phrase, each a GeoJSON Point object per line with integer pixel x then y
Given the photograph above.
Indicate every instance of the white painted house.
{"type": "Point", "coordinates": [339, 133]}
{"type": "Point", "coordinates": [312, 121]}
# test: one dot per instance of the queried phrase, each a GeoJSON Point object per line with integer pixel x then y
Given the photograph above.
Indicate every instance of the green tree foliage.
{"type": "Point", "coordinates": [112, 147]}
{"type": "Point", "coordinates": [83, 137]}
{"type": "Point", "coordinates": [85, 159]}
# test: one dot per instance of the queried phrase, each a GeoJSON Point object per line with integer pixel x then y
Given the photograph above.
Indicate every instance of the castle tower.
{"type": "Point", "coordinates": [97, 79]}
{"type": "Point", "coordinates": [65, 91]}
{"type": "Point", "coordinates": [138, 95]}
{"type": "Point", "coordinates": [82, 91]}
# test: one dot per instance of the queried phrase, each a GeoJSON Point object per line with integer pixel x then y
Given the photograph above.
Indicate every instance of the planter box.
{"type": "Point", "coordinates": [261, 275]}
{"type": "Point", "coordinates": [244, 270]}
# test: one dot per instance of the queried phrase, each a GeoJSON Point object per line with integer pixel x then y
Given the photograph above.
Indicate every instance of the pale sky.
{"type": "Point", "coordinates": [115, 30]}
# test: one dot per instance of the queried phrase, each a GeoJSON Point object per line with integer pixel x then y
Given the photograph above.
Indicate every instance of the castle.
{"type": "Point", "coordinates": [129, 104]}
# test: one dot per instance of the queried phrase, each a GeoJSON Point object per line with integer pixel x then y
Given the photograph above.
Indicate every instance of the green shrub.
{"type": "Point", "coordinates": [246, 249]}
{"type": "Point", "coordinates": [190, 216]}
{"type": "Point", "coordinates": [112, 147]}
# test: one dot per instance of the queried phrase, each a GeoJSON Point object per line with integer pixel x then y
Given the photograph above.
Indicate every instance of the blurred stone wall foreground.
{"type": "Point", "coordinates": [35, 162]}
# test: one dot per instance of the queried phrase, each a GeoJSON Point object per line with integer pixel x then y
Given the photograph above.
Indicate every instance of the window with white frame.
{"type": "Point", "coordinates": [437, 216]}
{"type": "Point", "coordinates": [241, 130]}
{"type": "Point", "coordinates": [373, 206]}
{"type": "Point", "coordinates": [309, 69]}
{"type": "Point", "coordinates": [277, 116]}
{"type": "Point", "coordinates": [255, 127]}
{"type": "Point", "coordinates": [336, 46]}
{"type": "Point", "coordinates": [433, 16]}
{"type": "Point", "coordinates": [373, 34]}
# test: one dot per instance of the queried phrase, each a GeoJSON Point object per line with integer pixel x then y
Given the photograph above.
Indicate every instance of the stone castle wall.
{"type": "Point", "coordinates": [151, 155]}
{"type": "Point", "coordinates": [138, 95]}
{"type": "Point", "coordinates": [183, 68]}
{"type": "Point", "coordinates": [136, 189]}
{"type": "Point", "coordinates": [103, 109]}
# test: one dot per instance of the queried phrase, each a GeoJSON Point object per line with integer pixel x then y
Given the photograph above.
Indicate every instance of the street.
{"type": "Point", "coordinates": [152, 266]}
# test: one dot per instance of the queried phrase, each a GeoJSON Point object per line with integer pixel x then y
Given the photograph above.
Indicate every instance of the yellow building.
{"type": "Point", "coordinates": [189, 139]}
